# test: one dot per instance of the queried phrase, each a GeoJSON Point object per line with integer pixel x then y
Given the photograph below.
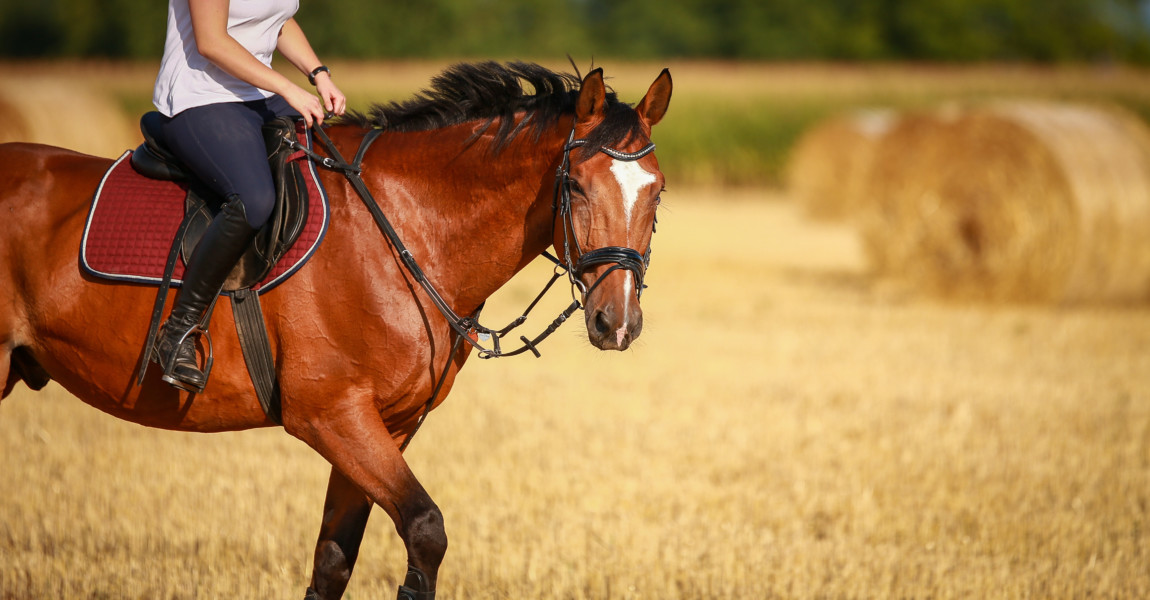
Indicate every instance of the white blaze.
{"type": "Point", "coordinates": [632, 179]}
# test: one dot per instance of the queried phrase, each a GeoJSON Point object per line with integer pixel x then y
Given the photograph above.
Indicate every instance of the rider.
{"type": "Point", "coordinates": [217, 88]}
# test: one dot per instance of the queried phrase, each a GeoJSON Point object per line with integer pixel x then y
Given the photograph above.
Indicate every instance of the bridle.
{"type": "Point", "coordinates": [618, 257]}
{"type": "Point", "coordinates": [573, 265]}
{"type": "Point", "coordinates": [468, 328]}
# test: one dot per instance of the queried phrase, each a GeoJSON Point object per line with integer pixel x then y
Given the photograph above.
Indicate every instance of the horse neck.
{"type": "Point", "coordinates": [488, 215]}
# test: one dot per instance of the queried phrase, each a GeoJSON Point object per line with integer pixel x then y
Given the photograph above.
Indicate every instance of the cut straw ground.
{"type": "Point", "coordinates": [781, 430]}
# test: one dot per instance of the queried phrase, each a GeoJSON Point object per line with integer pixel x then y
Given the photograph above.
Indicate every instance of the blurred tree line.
{"type": "Point", "coordinates": [842, 30]}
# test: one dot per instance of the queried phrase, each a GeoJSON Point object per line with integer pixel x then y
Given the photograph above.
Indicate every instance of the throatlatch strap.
{"type": "Point", "coordinates": [257, 351]}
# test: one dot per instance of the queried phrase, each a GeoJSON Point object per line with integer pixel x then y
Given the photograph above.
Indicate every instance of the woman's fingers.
{"type": "Point", "coordinates": [308, 106]}
{"type": "Point", "coordinates": [333, 99]}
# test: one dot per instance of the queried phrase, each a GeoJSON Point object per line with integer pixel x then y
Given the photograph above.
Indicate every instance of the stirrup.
{"type": "Point", "coordinates": [169, 366]}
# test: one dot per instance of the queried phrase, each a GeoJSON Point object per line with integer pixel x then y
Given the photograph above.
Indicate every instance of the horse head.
{"type": "Point", "coordinates": [607, 195]}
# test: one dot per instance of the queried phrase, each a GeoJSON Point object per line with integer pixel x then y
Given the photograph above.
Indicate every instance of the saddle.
{"type": "Point", "coordinates": [259, 268]}
{"type": "Point", "coordinates": [288, 217]}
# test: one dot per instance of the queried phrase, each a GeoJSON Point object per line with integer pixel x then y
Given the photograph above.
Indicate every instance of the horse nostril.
{"type": "Point", "coordinates": [602, 323]}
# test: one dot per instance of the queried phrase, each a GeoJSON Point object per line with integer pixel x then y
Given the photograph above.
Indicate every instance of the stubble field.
{"type": "Point", "coordinates": [787, 427]}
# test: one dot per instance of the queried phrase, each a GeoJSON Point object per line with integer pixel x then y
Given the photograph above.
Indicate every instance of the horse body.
{"type": "Point", "coordinates": [358, 344]}
{"type": "Point", "coordinates": [375, 314]}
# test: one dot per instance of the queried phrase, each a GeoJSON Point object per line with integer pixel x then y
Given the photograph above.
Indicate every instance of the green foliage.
{"type": "Point", "coordinates": [84, 28]}
{"type": "Point", "coordinates": [743, 141]}
{"type": "Point", "coordinates": [939, 30]}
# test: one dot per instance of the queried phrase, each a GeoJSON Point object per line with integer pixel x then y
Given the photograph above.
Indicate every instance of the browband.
{"type": "Point", "coordinates": [613, 153]}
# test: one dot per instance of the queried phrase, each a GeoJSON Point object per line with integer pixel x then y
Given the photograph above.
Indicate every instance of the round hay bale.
{"type": "Point", "coordinates": [66, 113]}
{"type": "Point", "coordinates": [12, 127]}
{"type": "Point", "coordinates": [1015, 201]}
{"type": "Point", "coordinates": [827, 165]}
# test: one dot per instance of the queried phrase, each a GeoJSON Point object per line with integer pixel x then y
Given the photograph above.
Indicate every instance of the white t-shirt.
{"type": "Point", "coordinates": [187, 79]}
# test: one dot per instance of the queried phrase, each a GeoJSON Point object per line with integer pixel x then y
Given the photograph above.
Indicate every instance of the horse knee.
{"type": "Point", "coordinates": [426, 538]}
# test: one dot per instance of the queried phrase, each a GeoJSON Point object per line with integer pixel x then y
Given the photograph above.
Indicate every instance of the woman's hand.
{"type": "Point", "coordinates": [333, 99]}
{"type": "Point", "coordinates": [293, 45]}
{"type": "Point", "coordinates": [306, 103]}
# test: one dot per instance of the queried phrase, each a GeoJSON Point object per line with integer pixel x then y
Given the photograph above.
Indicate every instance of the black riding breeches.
{"type": "Point", "coordinates": [223, 145]}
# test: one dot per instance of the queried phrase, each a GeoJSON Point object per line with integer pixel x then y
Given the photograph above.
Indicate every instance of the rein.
{"type": "Point", "coordinates": [462, 326]}
{"type": "Point", "coordinates": [617, 256]}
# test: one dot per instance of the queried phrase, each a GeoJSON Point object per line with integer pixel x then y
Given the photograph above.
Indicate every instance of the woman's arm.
{"type": "Point", "coordinates": [210, 25]}
{"type": "Point", "coordinates": [293, 45]}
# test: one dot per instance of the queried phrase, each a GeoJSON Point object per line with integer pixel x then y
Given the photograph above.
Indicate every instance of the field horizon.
{"type": "Point", "coordinates": [730, 123]}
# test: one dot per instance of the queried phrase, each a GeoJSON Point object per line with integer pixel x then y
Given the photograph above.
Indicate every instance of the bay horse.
{"type": "Point", "coordinates": [479, 175]}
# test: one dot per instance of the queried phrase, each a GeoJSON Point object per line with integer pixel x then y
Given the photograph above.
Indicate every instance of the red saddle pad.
{"type": "Point", "coordinates": [134, 219]}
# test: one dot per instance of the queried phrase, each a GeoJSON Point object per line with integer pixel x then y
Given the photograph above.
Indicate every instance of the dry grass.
{"type": "Point", "coordinates": [784, 429]}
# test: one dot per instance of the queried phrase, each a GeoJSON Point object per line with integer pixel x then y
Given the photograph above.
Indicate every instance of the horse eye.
{"type": "Point", "coordinates": [575, 187]}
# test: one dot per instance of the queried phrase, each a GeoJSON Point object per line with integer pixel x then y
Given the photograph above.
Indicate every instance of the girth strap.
{"type": "Point", "coordinates": [250, 328]}
{"type": "Point", "coordinates": [257, 351]}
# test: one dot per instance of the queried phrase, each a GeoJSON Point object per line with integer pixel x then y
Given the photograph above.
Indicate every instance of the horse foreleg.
{"type": "Point", "coordinates": [367, 465]}
{"type": "Point", "coordinates": [345, 513]}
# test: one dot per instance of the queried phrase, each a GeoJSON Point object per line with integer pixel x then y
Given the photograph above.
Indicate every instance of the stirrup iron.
{"type": "Point", "coordinates": [169, 366]}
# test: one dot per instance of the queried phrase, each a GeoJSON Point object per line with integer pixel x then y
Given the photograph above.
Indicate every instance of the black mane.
{"type": "Point", "coordinates": [495, 92]}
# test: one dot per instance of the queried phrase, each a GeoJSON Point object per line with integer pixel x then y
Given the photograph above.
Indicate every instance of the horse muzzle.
{"type": "Point", "coordinates": [614, 318]}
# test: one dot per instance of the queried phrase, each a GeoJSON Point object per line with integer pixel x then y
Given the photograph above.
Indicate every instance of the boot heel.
{"type": "Point", "coordinates": [180, 384]}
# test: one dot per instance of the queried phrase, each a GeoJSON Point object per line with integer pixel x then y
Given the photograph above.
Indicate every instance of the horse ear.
{"type": "Point", "coordinates": [592, 95]}
{"type": "Point", "coordinates": [654, 105]}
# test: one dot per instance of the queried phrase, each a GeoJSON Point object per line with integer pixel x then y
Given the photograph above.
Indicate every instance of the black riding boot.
{"type": "Point", "coordinates": [223, 244]}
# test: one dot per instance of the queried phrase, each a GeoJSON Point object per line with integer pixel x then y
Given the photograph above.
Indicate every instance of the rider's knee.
{"type": "Point", "coordinates": [258, 206]}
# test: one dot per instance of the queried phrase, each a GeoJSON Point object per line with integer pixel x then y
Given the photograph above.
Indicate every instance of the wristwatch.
{"type": "Point", "coordinates": [317, 71]}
